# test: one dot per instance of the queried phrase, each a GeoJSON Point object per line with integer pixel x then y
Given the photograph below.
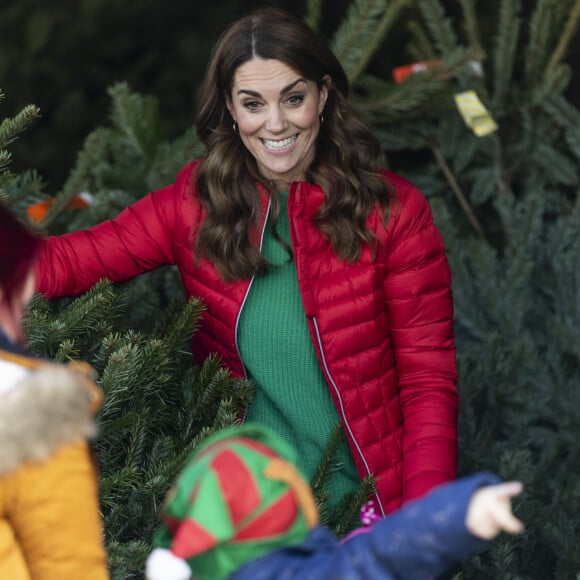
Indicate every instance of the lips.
{"type": "Point", "coordinates": [281, 144]}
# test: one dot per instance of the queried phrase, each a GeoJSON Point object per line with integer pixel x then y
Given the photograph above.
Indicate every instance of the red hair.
{"type": "Point", "coordinates": [19, 247]}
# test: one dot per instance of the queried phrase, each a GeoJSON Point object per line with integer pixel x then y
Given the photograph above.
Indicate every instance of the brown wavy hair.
{"type": "Point", "coordinates": [346, 160]}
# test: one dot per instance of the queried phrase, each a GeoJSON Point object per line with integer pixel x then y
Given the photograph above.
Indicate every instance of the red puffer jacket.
{"type": "Point", "coordinates": [382, 327]}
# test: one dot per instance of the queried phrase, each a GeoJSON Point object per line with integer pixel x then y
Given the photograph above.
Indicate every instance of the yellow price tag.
{"type": "Point", "coordinates": [474, 113]}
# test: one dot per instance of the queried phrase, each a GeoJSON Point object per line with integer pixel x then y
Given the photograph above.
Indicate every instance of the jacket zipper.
{"type": "Point", "coordinates": [342, 413]}
{"type": "Point", "coordinates": [244, 302]}
{"type": "Point", "coordinates": [323, 362]}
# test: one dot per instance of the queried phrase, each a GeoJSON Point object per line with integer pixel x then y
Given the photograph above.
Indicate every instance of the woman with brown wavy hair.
{"type": "Point", "coordinates": [323, 276]}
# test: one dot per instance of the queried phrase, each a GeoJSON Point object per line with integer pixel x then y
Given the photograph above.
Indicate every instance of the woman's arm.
{"type": "Point", "coordinates": [138, 240]}
{"type": "Point", "coordinates": [420, 309]}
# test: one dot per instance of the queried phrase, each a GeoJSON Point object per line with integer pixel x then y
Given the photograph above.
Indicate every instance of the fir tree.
{"type": "Point", "coordinates": [158, 405]}
{"type": "Point", "coordinates": [506, 203]}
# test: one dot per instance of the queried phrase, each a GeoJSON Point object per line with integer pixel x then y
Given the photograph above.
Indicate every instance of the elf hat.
{"type": "Point", "coordinates": [239, 497]}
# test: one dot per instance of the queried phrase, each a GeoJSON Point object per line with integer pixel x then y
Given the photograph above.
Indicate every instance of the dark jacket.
{"type": "Point", "coordinates": [418, 542]}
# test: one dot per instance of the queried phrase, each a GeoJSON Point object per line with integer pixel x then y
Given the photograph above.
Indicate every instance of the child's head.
{"type": "Point", "coordinates": [239, 497]}
{"type": "Point", "coordinates": [19, 248]}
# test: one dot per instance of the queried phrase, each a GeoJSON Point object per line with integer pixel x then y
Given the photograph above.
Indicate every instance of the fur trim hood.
{"type": "Point", "coordinates": [43, 406]}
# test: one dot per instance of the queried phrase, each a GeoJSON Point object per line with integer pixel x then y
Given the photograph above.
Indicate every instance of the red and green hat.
{"type": "Point", "coordinates": [239, 497]}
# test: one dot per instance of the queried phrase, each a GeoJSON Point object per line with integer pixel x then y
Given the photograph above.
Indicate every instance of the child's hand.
{"type": "Point", "coordinates": [490, 511]}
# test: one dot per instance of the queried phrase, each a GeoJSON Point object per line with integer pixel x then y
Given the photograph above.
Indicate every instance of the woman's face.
{"type": "Point", "coordinates": [277, 113]}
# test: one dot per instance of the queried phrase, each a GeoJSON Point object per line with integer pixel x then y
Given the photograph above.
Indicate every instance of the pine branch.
{"type": "Point", "coordinates": [313, 13]}
{"type": "Point", "coordinates": [179, 322]}
{"type": "Point", "coordinates": [346, 516]}
{"type": "Point", "coordinates": [471, 26]}
{"type": "Point", "coordinates": [388, 19]}
{"type": "Point", "coordinates": [571, 25]}
{"type": "Point", "coordinates": [80, 320]}
{"type": "Point", "coordinates": [396, 102]}
{"type": "Point", "coordinates": [21, 190]}
{"type": "Point", "coordinates": [504, 54]}
{"type": "Point", "coordinates": [326, 466]}
{"type": "Point", "coordinates": [541, 32]}
{"type": "Point", "coordinates": [451, 179]}
{"type": "Point", "coordinates": [10, 128]}
{"type": "Point", "coordinates": [568, 117]}
{"type": "Point", "coordinates": [95, 149]}
{"type": "Point", "coordinates": [439, 26]}
{"type": "Point", "coordinates": [137, 117]}
{"type": "Point", "coordinates": [420, 45]}
{"type": "Point", "coordinates": [362, 31]}
{"type": "Point", "coordinates": [358, 25]}
{"type": "Point", "coordinates": [557, 166]}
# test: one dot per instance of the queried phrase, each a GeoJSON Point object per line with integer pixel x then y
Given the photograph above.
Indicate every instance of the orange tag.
{"type": "Point", "coordinates": [402, 73]}
{"type": "Point", "coordinates": [37, 211]}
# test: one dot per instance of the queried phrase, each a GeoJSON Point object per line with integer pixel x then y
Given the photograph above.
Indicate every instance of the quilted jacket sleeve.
{"type": "Point", "coordinates": [138, 240]}
{"type": "Point", "coordinates": [420, 309]}
{"type": "Point", "coordinates": [420, 541]}
{"type": "Point", "coordinates": [56, 517]}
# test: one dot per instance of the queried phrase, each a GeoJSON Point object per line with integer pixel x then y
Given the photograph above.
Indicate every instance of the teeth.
{"type": "Point", "coordinates": [279, 144]}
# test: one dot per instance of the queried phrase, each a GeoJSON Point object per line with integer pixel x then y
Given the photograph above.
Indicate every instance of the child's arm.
{"type": "Point", "coordinates": [422, 540]}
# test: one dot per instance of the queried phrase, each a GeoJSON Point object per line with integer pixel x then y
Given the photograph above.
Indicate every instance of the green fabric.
{"type": "Point", "coordinates": [199, 515]}
{"type": "Point", "coordinates": [292, 397]}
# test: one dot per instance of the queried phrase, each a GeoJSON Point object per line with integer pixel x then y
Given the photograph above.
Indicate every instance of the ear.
{"type": "Point", "coordinates": [229, 104]}
{"type": "Point", "coordinates": [323, 97]}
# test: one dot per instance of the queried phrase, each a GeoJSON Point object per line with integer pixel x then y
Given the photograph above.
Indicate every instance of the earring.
{"type": "Point", "coordinates": [321, 118]}
{"type": "Point", "coordinates": [235, 127]}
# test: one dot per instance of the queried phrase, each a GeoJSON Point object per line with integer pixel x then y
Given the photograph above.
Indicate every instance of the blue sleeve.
{"type": "Point", "coordinates": [420, 541]}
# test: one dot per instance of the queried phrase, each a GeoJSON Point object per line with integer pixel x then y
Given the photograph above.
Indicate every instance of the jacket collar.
{"type": "Point", "coordinates": [8, 345]}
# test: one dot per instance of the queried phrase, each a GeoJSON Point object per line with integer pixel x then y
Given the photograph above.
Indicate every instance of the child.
{"type": "Point", "coordinates": [50, 527]}
{"type": "Point", "coordinates": [240, 510]}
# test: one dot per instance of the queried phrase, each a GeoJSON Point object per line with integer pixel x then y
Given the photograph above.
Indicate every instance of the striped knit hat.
{"type": "Point", "coordinates": [239, 497]}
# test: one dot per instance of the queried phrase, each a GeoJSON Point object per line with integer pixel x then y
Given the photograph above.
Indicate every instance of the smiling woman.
{"type": "Point", "coordinates": [323, 277]}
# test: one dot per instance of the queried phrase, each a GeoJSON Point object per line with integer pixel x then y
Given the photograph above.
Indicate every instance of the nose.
{"type": "Point", "coordinates": [276, 121]}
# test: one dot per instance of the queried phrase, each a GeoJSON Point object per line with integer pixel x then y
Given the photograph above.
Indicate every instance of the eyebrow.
{"type": "Point", "coordinates": [285, 89]}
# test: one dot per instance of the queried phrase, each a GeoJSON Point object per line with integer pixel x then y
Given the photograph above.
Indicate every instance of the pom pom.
{"type": "Point", "coordinates": [163, 565]}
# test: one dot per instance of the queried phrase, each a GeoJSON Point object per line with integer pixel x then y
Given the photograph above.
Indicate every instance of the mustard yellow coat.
{"type": "Point", "coordinates": [50, 526]}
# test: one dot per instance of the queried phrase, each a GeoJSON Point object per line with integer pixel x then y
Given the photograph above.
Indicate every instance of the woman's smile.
{"type": "Point", "coordinates": [282, 145]}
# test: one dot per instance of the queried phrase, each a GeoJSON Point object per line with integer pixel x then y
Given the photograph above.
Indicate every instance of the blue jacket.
{"type": "Point", "coordinates": [9, 346]}
{"type": "Point", "coordinates": [420, 541]}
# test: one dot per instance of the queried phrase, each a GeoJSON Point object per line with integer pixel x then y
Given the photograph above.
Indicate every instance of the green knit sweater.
{"type": "Point", "coordinates": [292, 397]}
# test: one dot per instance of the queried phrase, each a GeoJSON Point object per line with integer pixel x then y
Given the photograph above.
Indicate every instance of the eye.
{"type": "Point", "coordinates": [252, 105]}
{"type": "Point", "coordinates": [295, 100]}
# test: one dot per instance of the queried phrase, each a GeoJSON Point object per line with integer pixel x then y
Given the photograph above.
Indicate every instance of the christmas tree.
{"type": "Point", "coordinates": [504, 187]}
{"type": "Point", "coordinates": [157, 404]}
{"type": "Point", "coordinates": [503, 182]}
